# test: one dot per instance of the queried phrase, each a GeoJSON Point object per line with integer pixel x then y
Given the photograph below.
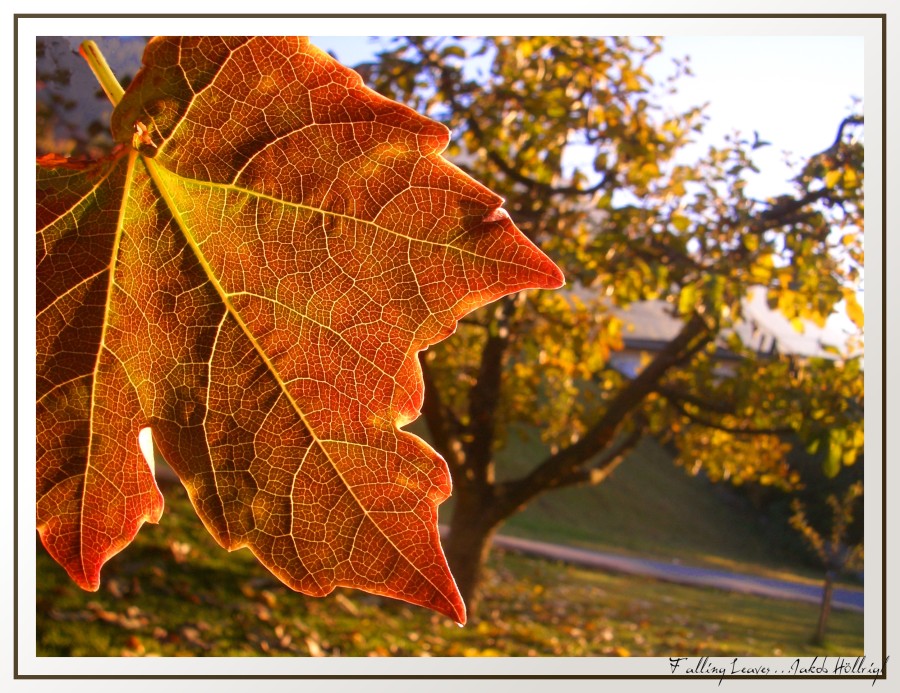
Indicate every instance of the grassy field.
{"type": "Point", "coordinates": [176, 593]}
{"type": "Point", "coordinates": [650, 507]}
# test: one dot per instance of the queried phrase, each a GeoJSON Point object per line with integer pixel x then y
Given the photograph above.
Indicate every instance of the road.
{"type": "Point", "coordinates": [688, 575]}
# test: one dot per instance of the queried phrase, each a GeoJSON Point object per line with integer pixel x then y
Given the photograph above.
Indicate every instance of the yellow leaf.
{"type": "Point", "coordinates": [650, 170]}
{"type": "Point", "coordinates": [832, 177]}
{"type": "Point", "coordinates": [680, 222]}
{"type": "Point", "coordinates": [687, 300]}
{"type": "Point", "coordinates": [761, 270]}
{"type": "Point", "coordinates": [854, 310]}
{"type": "Point", "coordinates": [851, 180]}
{"type": "Point", "coordinates": [674, 127]}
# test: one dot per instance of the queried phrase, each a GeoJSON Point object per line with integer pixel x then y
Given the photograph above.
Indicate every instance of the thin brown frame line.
{"type": "Point", "coordinates": [786, 15]}
{"type": "Point", "coordinates": [884, 81]}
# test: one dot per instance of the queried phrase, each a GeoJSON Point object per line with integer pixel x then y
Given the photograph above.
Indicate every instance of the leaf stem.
{"type": "Point", "coordinates": [91, 52]}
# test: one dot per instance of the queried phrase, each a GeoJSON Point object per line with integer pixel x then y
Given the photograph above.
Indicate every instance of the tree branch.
{"type": "Point", "coordinates": [679, 396]}
{"type": "Point", "coordinates": [556, 467]}
{"type": "Point", "coordinates": [739, 430]}
{"type": "Point", "coordinates": [595, 473]}
{"type": "Point", "coordinates": [695, 348]}
{"type": "Point", "coordinates": [531, 183]}
{"type": "Point", "coordinates": [849, 120]}
{"type": "Point", "coordinates": [779, 214]}
{"type": "Point", "coordinates": [484, 395]}
{"type": "Point", "coordinates": [651, 251]}
{"type": "Point", "coordinates": [443, 424]}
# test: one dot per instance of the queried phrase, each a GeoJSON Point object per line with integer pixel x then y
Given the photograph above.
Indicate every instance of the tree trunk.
{"type": "Point", "coordinates": [825, 608]}
{"type": "Point", "coordinates": [468, 546]}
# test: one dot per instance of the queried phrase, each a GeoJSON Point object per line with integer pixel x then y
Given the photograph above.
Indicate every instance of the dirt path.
{"type": "Point", "coordinates": [688, 575]}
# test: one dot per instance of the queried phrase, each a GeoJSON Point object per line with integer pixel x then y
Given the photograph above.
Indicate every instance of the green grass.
{"type": "Point", "coordinates": [174, 592]}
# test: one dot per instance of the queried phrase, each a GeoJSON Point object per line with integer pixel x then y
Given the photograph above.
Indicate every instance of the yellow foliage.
{"type": "Point", "coordinates": [832, 177]}
{"type": "Point", "coordinates": [854, 310]}
{"type": "Point", "coordinates": [851, 180]}
{"type": "Point", "coordinates": [680, 222]}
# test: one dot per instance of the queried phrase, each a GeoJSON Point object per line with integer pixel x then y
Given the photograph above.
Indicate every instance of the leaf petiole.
{"type": "Point", "coordinates": [91, 52]}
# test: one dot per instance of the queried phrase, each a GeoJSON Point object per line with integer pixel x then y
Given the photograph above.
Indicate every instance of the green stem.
{"type": "Point", "coordinates": [91, 52]}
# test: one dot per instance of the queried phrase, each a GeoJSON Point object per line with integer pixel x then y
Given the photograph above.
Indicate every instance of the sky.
{"type": "Point", "coordinates": [793, 90]}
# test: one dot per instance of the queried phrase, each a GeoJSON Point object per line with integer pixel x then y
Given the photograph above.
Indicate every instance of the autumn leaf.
{"type": "Point", "coordinates": [854, 310]}
{"type": "Point", "coordinates": [832, 177]}
{"type": "Point", "coordinates": [251, 275]}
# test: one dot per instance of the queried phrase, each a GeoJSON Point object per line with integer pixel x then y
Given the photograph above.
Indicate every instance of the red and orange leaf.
{"type": "Point", "coordinates": [252, 275]}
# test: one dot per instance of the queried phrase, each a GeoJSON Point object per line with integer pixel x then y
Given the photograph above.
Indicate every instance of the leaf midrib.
{"type": "Point", "coordinates": [159, 182]}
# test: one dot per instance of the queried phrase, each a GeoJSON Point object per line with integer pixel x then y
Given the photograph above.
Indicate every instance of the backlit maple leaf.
{"type": "Point", "coordinates": [251, 275]}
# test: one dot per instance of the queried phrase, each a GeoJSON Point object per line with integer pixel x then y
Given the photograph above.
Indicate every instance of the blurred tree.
{"type": "Point", "coordinates": [571, 131]}
{"type": "Point", "coordinates": [841, 551]}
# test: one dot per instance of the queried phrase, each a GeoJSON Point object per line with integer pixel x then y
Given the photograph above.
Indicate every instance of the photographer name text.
{"type": "Point", "coordinates": [815, 666]}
